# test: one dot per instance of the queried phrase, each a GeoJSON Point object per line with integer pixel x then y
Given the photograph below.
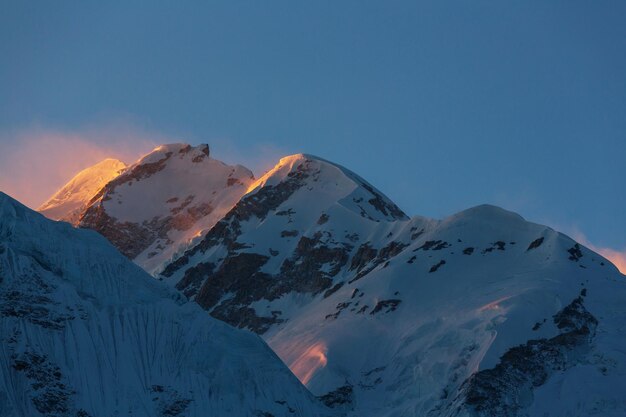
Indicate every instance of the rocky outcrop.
{"type": "Point", "coordinates": [507, 389]}
{"type": "Point", "coordinates": [228, 229]}
{"type": "Point", "coordinates": [163, 201]}
{"type": "Point", "coordinates": [129, 238]}
{"type": "Point", "coordinates": [342, 397]}
{"type": "Point", "coordinates": [51, 395]}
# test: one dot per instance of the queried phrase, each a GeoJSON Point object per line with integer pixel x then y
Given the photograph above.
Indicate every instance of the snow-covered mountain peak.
{"type": "Point", "coordinates": [182, 150]}
{"type": "Point", "coordinates": [70, 201]}
{"type": "Point", "coordinates": [306, 175]}
{"type": "Point", "coordinates": [488, 212]}
{"type": "Point", "coordinates": [165, 200]}
{"type": "Point", "coordinates": [485, 216]}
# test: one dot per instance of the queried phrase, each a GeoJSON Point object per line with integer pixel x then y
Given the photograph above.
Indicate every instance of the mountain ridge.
{"type": "Point", "coordinates": [382, 314]}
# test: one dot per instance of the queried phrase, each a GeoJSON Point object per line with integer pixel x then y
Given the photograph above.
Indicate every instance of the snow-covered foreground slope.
{"type": "Point", "coordinates": [85, 332]}
{"type": "Point", "coordinates": [71, 200]}
{"type": "Point", "coordinates": [482, 313]}
{"type": "Point", "coordinates": [163, 201]}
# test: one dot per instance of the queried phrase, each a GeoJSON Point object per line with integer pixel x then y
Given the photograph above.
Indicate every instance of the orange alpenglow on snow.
{"type": "Point", "coordinates": [617, 258]}
{"type": "Point", "coordinates": [309, 362]}
{"type": "Point", "coordinates": [67, 203]}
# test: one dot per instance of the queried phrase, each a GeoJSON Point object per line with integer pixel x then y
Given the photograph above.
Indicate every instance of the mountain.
{"type": "Point", "coordinates": [163, 201]}
{"type": "Point", "coordinates": [293, 233]}
{"type": "Point", "coordinates": [71, 200]}
{"type": "Point", "coordinates": [85, 332]}
{"type": "Point", "coordinates": [478, 314]}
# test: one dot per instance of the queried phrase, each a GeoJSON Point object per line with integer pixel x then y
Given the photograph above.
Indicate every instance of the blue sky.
{"type": "Point", "coordinates": [441, 105]}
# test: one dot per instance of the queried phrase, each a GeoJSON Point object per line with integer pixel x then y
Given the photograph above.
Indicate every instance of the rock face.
{"type": "Point", "coordinates": [71, 201]}
{"type": "Point", "coordinates": [165, 200]}
{"type": "Point", "coordinates": [85, 332]}
{"type": "Point", "coordinates": [507, 389]}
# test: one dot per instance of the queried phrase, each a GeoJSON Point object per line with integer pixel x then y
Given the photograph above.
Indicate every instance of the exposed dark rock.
{"type": "Point", "coordinates": [468, 251]}
{"type": "Point", "coordinates": [332, 315]}
{"type": "Point", "coordinates": [362, 309]}
{"type": "Point", "coordinates": [233, 181]}
{"type": "Point", "coordinates": [309, 270]}
{"type": "Point", "coordinates": [535, 244]}
{"type": "Point", "coordinates": [246, 317]}
{"type": "Point", "coordinates": [499, 245]}
{"type": "Point", "coordinates": [386, 305]}
{"type": "Point", "coordinates": [342, 396]}
{"type": "Point", "coordinates": [353, 237]}
{"type": "Point", "coordinates": [538, 325]}
{"type": "Point", "coordinates": [181, 206]}
{"type": "Point", "coordinates": [129, 238]}
{"type": "Point", "coordinates": [51, 396]}
{"type": "Point", "coordinates": [433, 245]}
{"type": "Point", "coordinates": [437, 265]}
{"type": "Point", "coordinates": [257, 204]}
{"type": "Point", "coordinates": [340, 307]}
{"type": "Point", "coordinates": [289, 233]}
{"type": "Point", "coordinates": [415, 235]}
{"type": "Point", "coordinates": [133, 238]}
{"type": "Point", "coordinates": [238, 275]}
{"type": "Point", "coordinates": [333, 290]}
{"type": "Point", "coordinates": [575, 253]}
{"type": "Point", "coordinates": [386, 208]}
{"type": "Point", "coordinates": [507, 389]}
{"type": "Point", "coordinates": [323, 219]}
{"type": "Point", "coordinates": [356, 292]}
{"type": "Point", "coordinates": [29, 301]}
{"type": "Point", "coordinates": [574, 317]}
{"type": "Point", "coordinates": [194, 277]}
{"type": "Point", "coordinates": [389, 251]}
{"type": "Point", "coordinates": [170, 402]}
{"type": "Point", "coordinates": [304, 272]}
{"type": "Point", "coordinates": [364, 255]}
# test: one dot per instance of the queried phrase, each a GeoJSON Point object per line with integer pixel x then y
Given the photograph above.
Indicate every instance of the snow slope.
{"type": "Point", "coordinates": [71, 200]}
{"type": "Point", "coordinates": [479, 314]}
{"type": "Point", "coordinates": [85, 332]}
{"type": "Point", "coordinates": [165, 200]}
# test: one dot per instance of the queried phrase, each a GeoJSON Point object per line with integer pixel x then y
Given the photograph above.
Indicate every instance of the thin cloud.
{"type": "Point", "coordinates": [618, 258]}
{"type": "Point", "coordinates": [34, 163]}
{"type": "Point", "coordinates": [615, 256]}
